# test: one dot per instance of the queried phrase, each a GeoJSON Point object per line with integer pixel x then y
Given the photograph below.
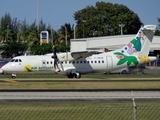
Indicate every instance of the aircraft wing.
{"type": "Point", "coordinates": [83, 54]}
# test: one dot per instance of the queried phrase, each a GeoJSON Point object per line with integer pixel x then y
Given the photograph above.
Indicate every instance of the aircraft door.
{"type": "Point", "coordinates": [109, 62]}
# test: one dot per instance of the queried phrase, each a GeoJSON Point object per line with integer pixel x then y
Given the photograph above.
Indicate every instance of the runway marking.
{"type": "Point", "coordinates": [10, 80]}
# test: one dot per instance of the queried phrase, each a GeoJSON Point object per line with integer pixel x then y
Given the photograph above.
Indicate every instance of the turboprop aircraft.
{"type": "Point", "coordinates": [73, 64]}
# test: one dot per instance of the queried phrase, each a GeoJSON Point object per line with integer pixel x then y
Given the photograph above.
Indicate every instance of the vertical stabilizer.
{"type": "Point", "coordinates": [140, 45]}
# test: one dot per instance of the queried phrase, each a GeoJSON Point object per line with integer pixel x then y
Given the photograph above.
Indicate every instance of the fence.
{"type": "Point", "coordinates": [77, 111]}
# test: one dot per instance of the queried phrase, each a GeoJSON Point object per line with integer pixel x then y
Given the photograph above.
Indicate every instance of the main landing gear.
{"type": "Point", "coordinates": [76, 75]}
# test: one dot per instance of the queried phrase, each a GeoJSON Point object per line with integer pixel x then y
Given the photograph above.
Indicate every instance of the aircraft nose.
{"type": "Point", "coordinates": [3, 68]}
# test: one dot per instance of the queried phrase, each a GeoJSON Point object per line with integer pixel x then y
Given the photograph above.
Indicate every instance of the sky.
{"type": "Point", "coordinates": [58, 12]}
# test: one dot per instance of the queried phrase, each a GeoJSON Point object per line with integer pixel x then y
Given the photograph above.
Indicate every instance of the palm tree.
{"type": "Point", "coordinates": [62, 33]}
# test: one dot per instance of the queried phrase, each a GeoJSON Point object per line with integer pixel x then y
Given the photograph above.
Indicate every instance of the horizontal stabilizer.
{"type": "Point", "coordinates": [149, 27]}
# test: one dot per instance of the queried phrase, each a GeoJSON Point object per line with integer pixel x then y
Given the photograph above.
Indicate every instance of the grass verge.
{"type": "Point", "coordinates": [80, 111]}
{"type": "Point", "coordinates": [92, 76]}
{"type": "Point", "coordinates": [79, 85]}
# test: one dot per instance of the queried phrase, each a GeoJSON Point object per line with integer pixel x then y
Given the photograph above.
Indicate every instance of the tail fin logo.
{"type": "Point", "coordinates": [135, 45]}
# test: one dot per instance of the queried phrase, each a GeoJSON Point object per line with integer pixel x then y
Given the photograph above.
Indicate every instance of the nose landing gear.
{"type": "Point", "coordinates": [13, 76]}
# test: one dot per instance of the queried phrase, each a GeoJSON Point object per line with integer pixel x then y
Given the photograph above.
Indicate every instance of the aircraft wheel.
{"type": "Point", "coordinates": [70, 75]}
{"type": "Point", "coordinates": [77, 75]}
{"type": "Point", "coordinates": [13, 76]}
{"type": "Point", "coordinates": [123, 72]}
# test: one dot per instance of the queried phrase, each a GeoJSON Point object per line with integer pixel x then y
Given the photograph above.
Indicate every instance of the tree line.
{"type": "Point", "coordinates": [103, 19]}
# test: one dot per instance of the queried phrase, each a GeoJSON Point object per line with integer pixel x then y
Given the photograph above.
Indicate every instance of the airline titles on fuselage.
{"type": "Point", "coordinates": [98, 58]}
{"type": "Point", "coordinates": [45, 68]}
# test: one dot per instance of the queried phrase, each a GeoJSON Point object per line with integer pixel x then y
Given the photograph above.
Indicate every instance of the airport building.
{"type": "Point", "coordinates": [109, 43]}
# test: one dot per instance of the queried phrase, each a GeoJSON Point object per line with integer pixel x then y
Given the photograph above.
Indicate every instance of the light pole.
{"type": "Point", "coordinates": [18, 32]}
{"type": "Point", "coordinates": [74, 31]}
{"type": "Point", "coordinates": [18, 29]}
{"type": "Point", "coordinates": [66, 34]}
{"type": "Point", "coordinates": [51, 39]}
{"type": "Point", "coordinates": [121, 25]}
{"type": "Point", "coordinates": [7, 31]}
{"type": "Point", "coordinates": [83, 26]}
{"type": "Point", "coordinates": [51, 35]}
{"type": "Point", "coordinates": [37, 15]}
{"type": "Point", "coordinates": [55, 25]}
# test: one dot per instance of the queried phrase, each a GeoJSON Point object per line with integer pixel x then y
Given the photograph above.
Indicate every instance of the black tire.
{"type": "Point", "coordinates": [78, 76]}
{"type": "Point", "coordinates": [13, 77]}
{"type": "Point", "coordinates": [123, 72]}
{"type": "Point", "coordinates": [70, 75]}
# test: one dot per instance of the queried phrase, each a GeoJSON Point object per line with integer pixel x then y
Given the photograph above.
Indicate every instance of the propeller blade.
{"type": "Point", "coordinates": [55, 59]}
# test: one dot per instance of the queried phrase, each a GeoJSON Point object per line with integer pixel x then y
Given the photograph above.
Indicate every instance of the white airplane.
{"type": "Point", "coordinates": [73, 64]}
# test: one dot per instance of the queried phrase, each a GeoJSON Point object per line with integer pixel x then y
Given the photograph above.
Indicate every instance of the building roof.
{"type": "Point", "coordinates": [109, 42]}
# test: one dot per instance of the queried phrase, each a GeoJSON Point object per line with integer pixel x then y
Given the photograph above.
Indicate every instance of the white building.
{"type": "Point", "coordinates": [109, 42]}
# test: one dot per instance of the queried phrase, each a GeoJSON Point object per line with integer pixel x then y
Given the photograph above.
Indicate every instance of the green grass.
{"type": "Point", "coordinates": [80, 111]}
{"type": "Point", "coordinates": [78, 85]}
{"type": "Point", "coordinates": [92, 76]}
{"type": "Point", "coordinates": [12, 84]}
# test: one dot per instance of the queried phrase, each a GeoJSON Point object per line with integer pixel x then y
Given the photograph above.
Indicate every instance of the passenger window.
{"type": "Point", "coordinates": [99, 61]}
{"type": "Point", "coordinates": [51, 62]}
{"type": "Point", "coordinates": [80, 61]}
{"type": "Point", "coordinates": [20, 60]}
{"type": "Point", "coordinates": [73, 62]}
{"type": "Point", "coordinates": [84, 61]}
{"type": "Point", "coordinates": [47, 62]}
{"type": "Point", "coordinates": [95, 61]}
{"type": "Point", "coordinates": [77, 62]}
{"type": "Point", "coordinates": [102, 61]}
{"type": "Point", "coordinates": [87, 61]}
{"type": "Point", "coordinates": [91, 61]}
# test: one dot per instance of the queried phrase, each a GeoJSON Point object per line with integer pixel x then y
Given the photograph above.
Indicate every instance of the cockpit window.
{"type": "Point", "coordinates": [12, 60]}
{"type": "Point", "coordinates": [16, 60]}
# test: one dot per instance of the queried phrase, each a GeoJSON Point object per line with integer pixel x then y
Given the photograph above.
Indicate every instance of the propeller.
{"type": "Point", "coordinates": [55, 58]}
